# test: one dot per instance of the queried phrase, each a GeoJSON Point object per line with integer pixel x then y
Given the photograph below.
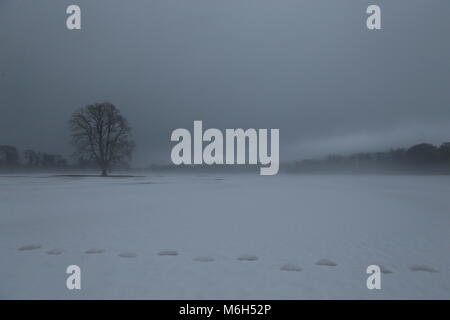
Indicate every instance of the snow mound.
{"type": "Point", "coordinates": [55, 252]}
{"type": "Point", "coordinates": [30, 247]}
{"type": "Point", "coordinates": [168, 253]}
{"type": "Point", "coordinates": [247, 257]}
{"type": "Point", "coordinates": [203, 259]}
{"type": "Point", "coordinates": [422, 268]}
{"type": "Point", "coordinates": [385, 270]}
{"type": "Point", "coordinates": [128, 255]}
{"type": "Point", "coordinates": [326, 262]}
{"type": "Point", "coordinates": [94, 251]}
{"type": "Point", "coordinates": [290, 267]}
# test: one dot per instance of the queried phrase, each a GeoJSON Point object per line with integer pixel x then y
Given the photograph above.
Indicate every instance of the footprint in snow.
{"type": "Point", "coordinates": [94, 251]}
{"type": "Point", "coordinates": [326, 262]}
{"type": "Point", "coordinates": [55, 252]}
{"type": "Point", "coordinates": [168, 253]}
{"type": "Point", "coordinates": [247, 257]}
{"type": "Point", "coordinates": [422, 268]}
{"type": "Point", "coordinates": [290, 267]}
{"type": "Point", "coordinates": [128, 255]}
{"type": "Point", "coordinates": [30, 247]}
{"type": "Point", "coordinates": [203, 259]}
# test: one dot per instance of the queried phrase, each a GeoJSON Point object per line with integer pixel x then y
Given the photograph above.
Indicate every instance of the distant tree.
{"type": "Point", "coordinates": [47, 160]}
{"type": "Point", "coordinates": [60, 161]}
{"type": "Point", "coordinates": [444, 152]}
{"type": "Point", "coordinates": [31, 157]}
{"type": "Point", "coordinates": [9, 156]}
{"type": "Point", "coordinates": [423, 153]}
{"type": "Point", "coordinates": [99, 132]}
{"type": "Point", "coordinates": [398, 156]}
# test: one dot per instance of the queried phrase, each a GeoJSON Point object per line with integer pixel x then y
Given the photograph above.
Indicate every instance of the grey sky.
{"type": "Point", "coordinates": [308, 67]}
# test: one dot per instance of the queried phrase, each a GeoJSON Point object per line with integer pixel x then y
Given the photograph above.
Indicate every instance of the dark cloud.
{"type": "Point", "coordinates": [310, 68]}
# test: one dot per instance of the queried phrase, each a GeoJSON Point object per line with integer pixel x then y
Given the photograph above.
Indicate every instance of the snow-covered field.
{"type": "Point", "coordinates": [246, 236]}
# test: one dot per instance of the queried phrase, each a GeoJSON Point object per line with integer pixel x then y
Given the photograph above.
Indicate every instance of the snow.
{"type": "Point", "coordinates": [149, 237]}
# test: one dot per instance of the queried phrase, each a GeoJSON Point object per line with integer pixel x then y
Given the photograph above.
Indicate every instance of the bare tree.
{"type": "Point", "coordinates": [101, 133]}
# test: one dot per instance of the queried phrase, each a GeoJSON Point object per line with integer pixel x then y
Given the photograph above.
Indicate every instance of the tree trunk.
{"type": "Point", "coordinates": [104, 172]}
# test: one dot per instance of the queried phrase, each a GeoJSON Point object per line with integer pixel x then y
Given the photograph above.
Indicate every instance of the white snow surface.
{"type": "Point", "coordinates": [183, 236]}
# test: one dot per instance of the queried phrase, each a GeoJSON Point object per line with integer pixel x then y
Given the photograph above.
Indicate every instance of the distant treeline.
{"type": "Point", "coordinates": [420, 158]}
{"type": "Point", "coordinates": [10, 157]}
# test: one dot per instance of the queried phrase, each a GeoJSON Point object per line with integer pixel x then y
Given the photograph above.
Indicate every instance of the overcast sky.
{"type": "Point", "coordinates": [308, 67]}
